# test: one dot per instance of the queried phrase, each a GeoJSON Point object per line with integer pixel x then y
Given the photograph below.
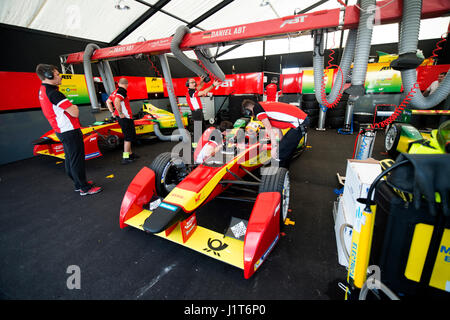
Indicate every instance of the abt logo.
{"type": "Point", "coordinates": [227, 83]}
{"type": "Point", "coordinates": [299, 19]}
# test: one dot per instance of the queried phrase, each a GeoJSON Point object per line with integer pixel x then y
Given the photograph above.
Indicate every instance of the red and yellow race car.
{"type": "Point", "coordinates": [164, 199]}
{"type": "Point", "coordinates": [107, 135]}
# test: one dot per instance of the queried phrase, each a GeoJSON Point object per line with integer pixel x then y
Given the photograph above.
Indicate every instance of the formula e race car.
{"type": "Point", "coordinates": [405, 138]}
{"type": "Point", "coordinates": [106, 135]}
{"type": "Point", "coordinates": [168, 198]}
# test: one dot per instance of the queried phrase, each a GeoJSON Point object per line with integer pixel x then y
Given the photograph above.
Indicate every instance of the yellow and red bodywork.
{"type": "Point", "coordinates": [50, 145]}
{"type": "Point", "coordinates": [199, 187]}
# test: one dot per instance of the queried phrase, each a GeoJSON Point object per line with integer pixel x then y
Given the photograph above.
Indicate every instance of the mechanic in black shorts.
{"type": "Point", "coordinates": [119, 101]}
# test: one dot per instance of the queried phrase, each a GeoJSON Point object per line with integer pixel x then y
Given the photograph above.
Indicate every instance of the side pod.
{"type": "Point", "coordinates": [139, 192]}
{"type": "Point", "coordinates": [263, 231]}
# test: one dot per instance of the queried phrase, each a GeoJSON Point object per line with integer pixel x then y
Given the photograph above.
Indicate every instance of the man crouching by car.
{"type": "Point", "coordinates": [276, 116]}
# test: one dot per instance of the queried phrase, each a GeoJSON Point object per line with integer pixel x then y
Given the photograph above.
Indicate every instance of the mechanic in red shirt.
{"type": "Point", "coordinates": [272, 91]}
{"type": "Point", "coordinates": [63, 118]}
{"type": "Point", "coordinates": [119, 101]}
{"type": "Point", "coordinates": [193, 95]}
{"type": "Point", "coordinates": [276, 116]}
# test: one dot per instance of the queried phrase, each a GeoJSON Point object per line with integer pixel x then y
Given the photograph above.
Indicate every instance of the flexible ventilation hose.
{"type": "Point", "coordinates": [409, 35]}
{"type": "Point", "coordinates": [363, 40]}
{"type": "Point", "coordinates": [90, 48]}
{"type": "Point", "coordinates": [204, 55]}
{"type": "Point", "coordinates": [183, 135]}
{"type": "Point", "coordinates": [108, 79]}
{"type": "Point", "coordinates": [105, 72]}
{"type": "Point", "coordinates": [184, 59]}
{"type": "Point", "coordinates": [344, 67]}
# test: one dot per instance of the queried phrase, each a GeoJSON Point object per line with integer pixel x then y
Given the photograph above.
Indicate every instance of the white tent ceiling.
{"type": "Point", "coordinates": [99, 20]}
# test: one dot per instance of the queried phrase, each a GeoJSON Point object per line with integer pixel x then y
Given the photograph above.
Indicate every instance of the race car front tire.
{"type": "Point", "coordinates": [169, 172]}
{"type": "Point", "coordinates": [277, 180]}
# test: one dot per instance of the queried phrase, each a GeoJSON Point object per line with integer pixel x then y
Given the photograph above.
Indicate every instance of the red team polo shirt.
{"type": "Point", "coordinates": [281, 115]}
{"type": "Point", "coordinates": [193, 100]}
{"type": "Point", "coordinates": [54, 104]}
{"type": "Point", "coordinates": [272, 92]}
{"type": "Point", "coordinates": [121, 93]}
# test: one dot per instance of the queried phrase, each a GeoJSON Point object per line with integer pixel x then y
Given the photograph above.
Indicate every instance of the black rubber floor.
{"type": "Point", "coordinates": [46, 227]}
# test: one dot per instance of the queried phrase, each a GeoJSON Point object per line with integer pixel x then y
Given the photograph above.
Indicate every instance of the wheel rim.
{"type": "Point", "coordinates": [285, 196]}
{"type": "Point", "coordinates": [390, 138]}
{"type": "Point", "coordinates": [171, 177]}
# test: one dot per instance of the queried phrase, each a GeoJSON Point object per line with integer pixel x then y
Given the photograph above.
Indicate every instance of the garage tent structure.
{"type": "Point", "coordinates": [119, 22]}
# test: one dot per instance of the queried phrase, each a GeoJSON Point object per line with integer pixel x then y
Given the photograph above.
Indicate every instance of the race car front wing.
{"type": "Point", "coordinates": [172, 223]}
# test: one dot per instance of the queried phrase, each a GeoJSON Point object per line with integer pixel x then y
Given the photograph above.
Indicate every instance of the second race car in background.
{"type": "Point", "coordinates": [107, 135]}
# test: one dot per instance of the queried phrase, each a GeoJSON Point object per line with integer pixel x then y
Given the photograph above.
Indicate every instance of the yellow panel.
{"type": "Point", "coordinates": [418, 251]}
{"type": "Point", "coordinates": [360, 247]}
{"type": "Point", "coordinates": [440, 278]}
{"type": "Point", "coordinates": [117, 130]}
{"type": "Point", "coordinates": [154, 85]}
{"type": "Point", "coordinates": [403, 144]}
{"type": "Point", "coordinates": [53, 137]}
{"type": "Point", "coordinates": [46, 153]}
{"type": "Point", "coordinates": [203, 240]}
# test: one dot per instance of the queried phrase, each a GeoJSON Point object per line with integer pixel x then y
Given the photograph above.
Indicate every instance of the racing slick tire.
{"type": "Point", "coordinates": [277, 181]}
{"type": "Point", "coordinates": [391, 139]}
{"type": "Point", "coordinates": [169, 172]}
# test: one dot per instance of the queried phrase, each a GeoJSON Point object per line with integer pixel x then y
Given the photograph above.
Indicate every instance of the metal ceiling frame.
{"type": "Point", "coordinates": [157, 7]}
{"type": "Point", "coordinates": [209, 13]}
{"type": "Point", "coordinates": [139, 21]}
{"type": "Point", "coordinates": [318, 3]}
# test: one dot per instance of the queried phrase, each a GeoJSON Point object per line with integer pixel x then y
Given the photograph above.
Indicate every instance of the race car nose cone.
{"type": "Point", "coordinates": [163, 217]}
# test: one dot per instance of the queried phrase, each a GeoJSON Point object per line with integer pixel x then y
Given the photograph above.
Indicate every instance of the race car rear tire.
{"type": "Point", "coordinates": [169, 173]}
{"type": "Point", "coordinates": [277, 180]}
{"type": "Point", "coordinates": [108, 143]}
{"type": "Point", "coordinates": [391, 139]}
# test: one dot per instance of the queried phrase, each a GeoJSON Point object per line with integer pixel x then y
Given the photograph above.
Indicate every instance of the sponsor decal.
{"type": "Point", "coordinates": [91, 155]}
{"type": "Point", "coordinates": [215, 245]}
{"type": "Point", "coordinates": [121, 49]}
{"type": "Point", "coordinates": [197, 197]}
{"type": "Point", "coordinates": [176, 195]}
{"type": "Point", "coordinates": [299, 19]}
{"type": "Point", "coordinates": [168, 206]}
{"type": "Point", "coordinates": [58, 148]}
{"type": "Point", "coordinates": [228, 83]}
{"type": "Point", "coordinates": [224, 32]}
{"type": "Point", "coordinates": [188, 226]}
{"type": "Point", "coordinates": [264, 256]}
